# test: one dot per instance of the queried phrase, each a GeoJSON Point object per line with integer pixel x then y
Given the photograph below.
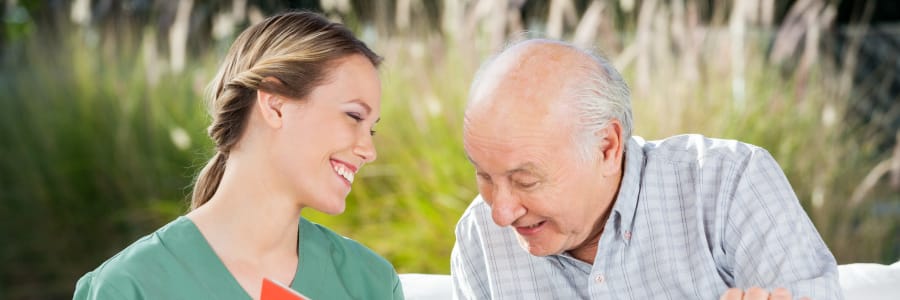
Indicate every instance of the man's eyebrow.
{"type": "Point", "coordinates": [471, 160]}
{"type": "Point", "coordinates": [527, 167]}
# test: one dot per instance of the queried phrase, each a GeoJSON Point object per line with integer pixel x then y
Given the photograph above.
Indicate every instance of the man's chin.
{"type": "Point", "coordinates": [535, 248]}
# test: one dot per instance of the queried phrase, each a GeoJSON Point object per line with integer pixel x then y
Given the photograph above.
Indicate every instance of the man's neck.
{"type": "Point", "coordinates": [587, 251]}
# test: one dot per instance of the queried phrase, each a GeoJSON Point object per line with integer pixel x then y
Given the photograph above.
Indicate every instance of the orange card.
{"type": "Point", "coordinates": [272, 290]}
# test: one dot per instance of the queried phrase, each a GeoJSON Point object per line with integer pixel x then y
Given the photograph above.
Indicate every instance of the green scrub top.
{"type": "Point", "coordinates": [176, 262]}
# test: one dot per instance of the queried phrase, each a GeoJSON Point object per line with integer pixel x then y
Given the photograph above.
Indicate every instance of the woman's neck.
{"type": "Point", "coordinates": [248, 226]}
{"type": "Point", "coordinates": [252, 226]}
{"type": "Point", "coordinates": [249, 210]}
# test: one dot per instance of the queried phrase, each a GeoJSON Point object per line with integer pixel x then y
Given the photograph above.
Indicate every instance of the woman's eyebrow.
{"type": "Point", "coordinates": [364, 105]}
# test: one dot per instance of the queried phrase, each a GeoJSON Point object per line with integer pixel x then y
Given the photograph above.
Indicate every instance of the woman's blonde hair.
{"type": "Point", "coordinates": [297, 48]}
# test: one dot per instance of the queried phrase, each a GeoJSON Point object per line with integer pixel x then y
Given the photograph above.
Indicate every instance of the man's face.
{"type": "Point", "coordinates": [529, 172]}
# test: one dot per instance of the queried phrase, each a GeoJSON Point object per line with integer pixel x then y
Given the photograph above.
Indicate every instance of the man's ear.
{"type": "Point", "coordinates": [270, 107]}
{"type": "Point", "coordinates": [611, 147]}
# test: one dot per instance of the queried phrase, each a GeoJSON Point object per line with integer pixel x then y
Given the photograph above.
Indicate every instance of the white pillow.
{"type": "Point", "coordinates": [426, 286]}
{"type": "Point", "coordinates": [859, 281]}
{"type": "Point", "coordinates": [870, 281]}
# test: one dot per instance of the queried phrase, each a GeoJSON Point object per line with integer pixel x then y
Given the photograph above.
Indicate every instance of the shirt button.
{"type": "Point", "coordinates": [599, 278]}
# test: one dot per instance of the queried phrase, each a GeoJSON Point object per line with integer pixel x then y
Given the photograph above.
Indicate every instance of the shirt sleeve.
{"type": "Point", "coordinates": [398, 288]}
{"type": "Point", "coordinates": [89, 287]}
{"type": "Point", "coordinates": [769, 241]}
{"type": "Point", "coordinates": [467, 266]}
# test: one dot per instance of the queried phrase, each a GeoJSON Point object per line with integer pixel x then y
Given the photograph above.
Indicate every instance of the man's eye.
{"type": "Point", "coordinates": [483, 176]}
{"type": "Point", "coordinates": [527, 184]}
{"type": "Point", "coordinates": [372, 132]}
{"type": "Point", "coordinates": [355, 116]}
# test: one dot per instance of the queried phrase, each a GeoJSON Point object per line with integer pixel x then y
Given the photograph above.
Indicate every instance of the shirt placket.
{"type": "Point", "coordinates": [611, 246]}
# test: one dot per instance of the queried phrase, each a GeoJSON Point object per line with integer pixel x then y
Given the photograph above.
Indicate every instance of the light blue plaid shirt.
{"type": "Point", "coordinates": [694, 216]}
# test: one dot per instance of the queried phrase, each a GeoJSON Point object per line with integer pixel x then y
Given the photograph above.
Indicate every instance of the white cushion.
{"type": "Point", "coordinates": [870, 281]}
{"type": "Point", "coordinates": [859, 281]}
{"type": "Point", "coordinates": [426, 286]}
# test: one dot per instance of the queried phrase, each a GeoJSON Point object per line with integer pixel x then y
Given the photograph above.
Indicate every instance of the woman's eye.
{"type": "Point", "coordinates": [355, 116]}
{"type": "Point", "coordinates": [372, 132]}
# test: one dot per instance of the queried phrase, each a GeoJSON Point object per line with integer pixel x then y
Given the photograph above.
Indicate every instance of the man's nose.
{"type": "Point", "coordinates": [506, 208]}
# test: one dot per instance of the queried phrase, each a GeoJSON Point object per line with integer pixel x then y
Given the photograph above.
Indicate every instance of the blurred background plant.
{"type": "Point", "coordinates": [103, 125]}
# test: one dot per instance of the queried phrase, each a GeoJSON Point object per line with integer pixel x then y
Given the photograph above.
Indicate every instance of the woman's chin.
{"type": "Point", "coordinates": [335, 209]}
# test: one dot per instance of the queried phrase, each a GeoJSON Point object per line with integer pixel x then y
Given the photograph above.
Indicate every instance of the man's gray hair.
{"type": "Point", "coordinates": [601, 97]}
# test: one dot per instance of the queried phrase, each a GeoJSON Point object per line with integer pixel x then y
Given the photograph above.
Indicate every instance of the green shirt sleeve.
{"type": "Point", "coordinates": [398, 288]}
{"type": "Point", "coordinates": [89, 288]}
{"type": "Point", "coordinates": [336, 267]}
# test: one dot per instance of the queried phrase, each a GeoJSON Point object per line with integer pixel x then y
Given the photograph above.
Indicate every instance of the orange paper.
{"type": "Point", "coordinates": [272, 290]}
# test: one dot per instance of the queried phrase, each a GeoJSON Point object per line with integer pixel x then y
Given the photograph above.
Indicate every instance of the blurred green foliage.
{"type": "Point", "coordinates": [100, 145]}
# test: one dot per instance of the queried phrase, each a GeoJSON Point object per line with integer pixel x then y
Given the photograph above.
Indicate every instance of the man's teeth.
{"type": "Point", "coordinates": [347, 174]}
{"type": "Point", "coordinates": [534, 225]}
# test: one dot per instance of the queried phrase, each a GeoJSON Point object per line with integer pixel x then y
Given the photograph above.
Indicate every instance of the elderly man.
{"type": "Point", "coordinates": [572, 206]}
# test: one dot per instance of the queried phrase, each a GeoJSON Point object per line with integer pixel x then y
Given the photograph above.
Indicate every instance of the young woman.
{"type": "Point", "coordinates": [293, 106]}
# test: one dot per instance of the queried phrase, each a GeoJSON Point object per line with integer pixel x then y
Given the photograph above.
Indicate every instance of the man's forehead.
{"type": "Point", "coordinates": [508, 164]}
{"type": "Point", "coordinates": [530, 75]}
{"type": "Point", "coordinates": [506, 128]}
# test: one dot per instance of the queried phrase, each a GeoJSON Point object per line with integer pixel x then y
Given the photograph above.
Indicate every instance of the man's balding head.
{"type": "Point", "coordinates": [533, 66]}
{"type": "Point", "coordinates": [546, 78]}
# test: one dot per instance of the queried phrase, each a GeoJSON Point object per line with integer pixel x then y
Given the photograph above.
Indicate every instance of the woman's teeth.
{"type": "Point", "coordinates": [347, 174]}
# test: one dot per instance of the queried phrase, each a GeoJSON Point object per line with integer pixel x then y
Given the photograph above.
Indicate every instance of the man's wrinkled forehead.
{"type": "Point", "coordinates": [524, 80]}
{"type": "Point", "coordinates": [527, 73]}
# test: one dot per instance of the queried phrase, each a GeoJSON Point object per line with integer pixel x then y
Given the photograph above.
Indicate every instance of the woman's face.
{"type": "Point", "coordinates": [327, 137]}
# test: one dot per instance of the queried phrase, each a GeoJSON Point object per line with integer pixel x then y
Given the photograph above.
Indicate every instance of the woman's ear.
{"type": "Point", "coordinates": [270, 107]}
{"type": "Point", "coordinates": [611, 147]}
